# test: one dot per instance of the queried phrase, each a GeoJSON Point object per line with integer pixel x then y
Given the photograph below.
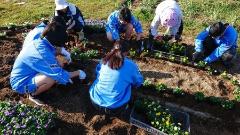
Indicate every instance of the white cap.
{"type": "Point", "coordinates": [61, 4]}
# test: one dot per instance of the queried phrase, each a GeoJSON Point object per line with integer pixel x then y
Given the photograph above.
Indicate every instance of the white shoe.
{"type": "Point", "coordinates": [36, 100]}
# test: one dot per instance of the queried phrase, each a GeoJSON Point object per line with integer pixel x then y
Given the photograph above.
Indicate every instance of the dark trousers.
{"type": "Point", "coordinates": [179, 33]}
{"type": "Point", "coordinates": [209, 45]}
{"type": "Point", "coordinates": [115, 111]}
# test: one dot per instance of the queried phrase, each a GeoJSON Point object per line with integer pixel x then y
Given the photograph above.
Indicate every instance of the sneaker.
{"type": "Point", "coordinates": [36, 100]}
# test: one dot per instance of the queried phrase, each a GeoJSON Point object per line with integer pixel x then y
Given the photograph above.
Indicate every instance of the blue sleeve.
{"type": "Point", "coordinates": [98, 68]}
{"type": "Point", "coordinates": [137, 77]}
{"type": "Point", "coordinates": [199, 40]}
{"type": "Point", "coordinates": [46, 63]}
{"type": "Point", "coordinates": [137, 25]}
{"type": "Point", "coordinates": [225, 44]}
{"type": "Point", "coordinates": [112, 25]}
{"type": "Point", "coordinates": [78, 17]}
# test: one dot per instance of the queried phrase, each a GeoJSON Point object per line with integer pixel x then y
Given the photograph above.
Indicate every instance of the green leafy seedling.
{"type": "Point", "coordinates": [236, 94]}
{"type": "Point", "coordinates": [199, 96]}
{"type": "Point", "coordinates": [227, 104]}
{"type": "Point", "coordinates": [215, 100]}
{"type": "Point", "coordinates": [201, 64]}
{"type": "Point", "coordinates": [234, 82]}
{"type": "Point", "coordinates": [225, 75]}
{"type": "Point", "coordinates": [184, 60]}
{"type": "Point", "coordinates": [178, 91]}
{"type": "Point", "coordinates": [161, 87]}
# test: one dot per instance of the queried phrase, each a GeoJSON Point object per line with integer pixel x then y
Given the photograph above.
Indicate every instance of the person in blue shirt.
{"type": "Point", "coordinates": [218, 41]}
{"type": "Point", "coordinates": [116, 75]}
{"type": "Point", "coordinates": [72, 15]}
{"type": "Point", "coordinates": [36, 68]}
{"type": "Point", "coordinates": [122, 21]}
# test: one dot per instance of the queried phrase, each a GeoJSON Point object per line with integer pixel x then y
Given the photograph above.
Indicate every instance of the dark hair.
{"type": "Point", "coordinates": [115, 57]}
{"type": "Point", "coordinates": [55, 32]}
{"type": "Point", "coordinates": [125, 14]}
{"type": "Point", "coordinates": [216, 29]}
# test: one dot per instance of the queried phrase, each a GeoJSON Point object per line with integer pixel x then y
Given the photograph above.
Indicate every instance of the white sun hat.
{"type": "Point", "coordinates": [61, 4]}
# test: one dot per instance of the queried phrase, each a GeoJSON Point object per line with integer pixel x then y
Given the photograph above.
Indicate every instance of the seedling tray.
{"type": "Point", "coordinates": [138, 120]}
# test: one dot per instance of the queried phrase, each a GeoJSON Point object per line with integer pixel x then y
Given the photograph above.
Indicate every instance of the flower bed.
{"type": "Point", "coordinates": [16, 118]}
{"type": "Point", "coordinates": [154, 118]}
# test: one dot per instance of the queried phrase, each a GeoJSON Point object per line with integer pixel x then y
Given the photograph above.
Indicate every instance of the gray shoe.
{"type": "Point", "coordinates": [36, 100]}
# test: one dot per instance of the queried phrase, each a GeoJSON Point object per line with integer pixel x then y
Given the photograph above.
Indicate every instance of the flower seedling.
{"type": "Point", "coordinates": [178, 91]}
{"type": "Point", "coordinates": [77, 54]}
{"type": "Point", "coordinates": [3, 34]}
{"type": "Point", "coordinates": [158, 55]}
{"type": "Point", "coordinates": [199, 96]}
{"type": "Point", "coordinates": [172, 58]}
{"type": "Point", "coordinates": [234, 82]}
{"type": "Point", "coordinates": [148, 84]}
{"type": "Point", "coordinates": [132, 53]}
{"type": "Point", "coordinates": [160, 117]}
{"type": "Point", "coordinates": [225, 75]}
{"type": "Point", "coordinates": [201, 64]}
{"type": "Point", "coordinates": [227, 104]}
{"type": "Point", "coordinates": [215, 100]}
{"type": "Point", "coordinates": [11, 26]}
{"type": "Point", "coordinates": [23, 119]}
{"type": "Point", "coordinates": [161, 87]}
{"type": "Point", "coordinates": [184, 60]}
{"type": "Point", "coordinates": [236, 93]}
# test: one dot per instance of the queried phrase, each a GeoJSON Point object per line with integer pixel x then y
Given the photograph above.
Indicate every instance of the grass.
{"type": "Point", "coordinates": [198, 14]}
{"type": "Point", "coordinates": [33, 10]}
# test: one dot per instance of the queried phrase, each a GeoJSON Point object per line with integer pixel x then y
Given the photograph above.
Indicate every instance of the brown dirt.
{"type": "Point", "coordinates": [77, 116]}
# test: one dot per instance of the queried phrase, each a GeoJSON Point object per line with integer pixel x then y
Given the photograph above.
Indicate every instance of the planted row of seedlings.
{"type": "Point", "coordinates": [17, 118]}
{"type": "Point", "coordinates": [164, 120]}
{"type": "Point", "coordinates": [78, 54]}
{"type": "Point", "coordinates": [176, 53]}
{"type": "Point", "coordinates": [198, 96]}
{"type": "Point", "coordinates": [234, 82]}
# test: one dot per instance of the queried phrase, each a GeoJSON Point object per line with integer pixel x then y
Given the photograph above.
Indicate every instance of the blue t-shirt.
{"type": "Point", "coordinates": [225, 42]}
{"type": "Point", "coordinates": [112, 88]}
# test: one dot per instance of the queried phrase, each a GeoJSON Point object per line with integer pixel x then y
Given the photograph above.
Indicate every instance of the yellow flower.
{"type": "Point", "coordinates": [158, 114]}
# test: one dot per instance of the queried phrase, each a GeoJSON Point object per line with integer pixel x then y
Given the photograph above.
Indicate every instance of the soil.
{"type": "Point", "coordinates": [76, 115]}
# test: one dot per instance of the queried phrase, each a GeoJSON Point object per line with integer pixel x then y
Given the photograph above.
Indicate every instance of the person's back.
{"type": "Point", "coordinates": [116, 75]}
{"type": "Point", "coordinates": [112, 88]}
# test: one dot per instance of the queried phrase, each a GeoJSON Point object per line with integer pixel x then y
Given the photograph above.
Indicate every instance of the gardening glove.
{"type": "Point", "coordinates": [82, 75]}
{"type": "Point", "coordinates": [66, 54]}
{"type": "Point", "coordinates": [81, 35]}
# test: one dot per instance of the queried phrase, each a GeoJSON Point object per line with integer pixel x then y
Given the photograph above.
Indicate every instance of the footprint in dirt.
{"type": "Point", "coordinates": [223, 88]}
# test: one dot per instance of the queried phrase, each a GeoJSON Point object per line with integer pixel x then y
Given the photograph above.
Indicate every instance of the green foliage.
{"type": "Point", "coordinates": [22, 119]}
{"type": "Point", "coordinates": [227, 104]}
{"type": "Point", "coordinates": [236, 93]}
{"type": "Point", "coordinates": [199, 96]}
{"type": "Point", "coordinates": [215, 100]}
{"type": "Point", "coordinates": [3, 34]}
{"type": "Point", "coordinates": [145, 11]}
{"type": "Point", "coordinates": [184, 60]}
{"type": "Point", "coordinates": [148, 84]}
{"type": "Point", "coordinates": [178, 91]}
{"type": "Point", "coordinates": [132, 53]}
{"type": "Point", "coordinates": [201, 64]}
{"type": "Point", "coordinates": [172, 58]}
{"type": "Point", "coordinates": [225, 75]}
{"type": "Point", "coordinates": [161, 87]}
{"type": "Point", "coordinates": [159, 117]}
{"type": "Point", "coordinates": [234, 82]}
{"type": "Point", "coordinates": [78, 54]}
{"type": "Point", "coordinates": [158, 55]}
